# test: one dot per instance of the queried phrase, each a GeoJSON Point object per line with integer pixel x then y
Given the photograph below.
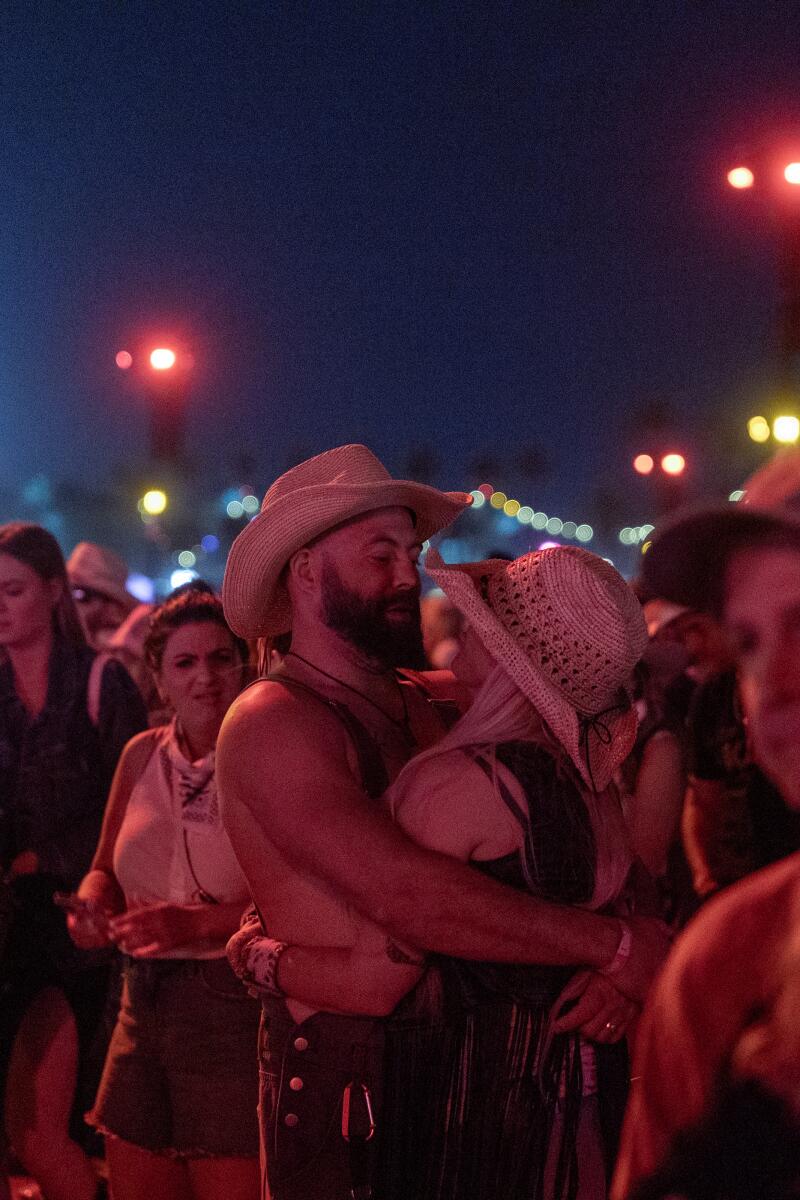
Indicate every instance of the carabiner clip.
{"type": "Point", "coordinates": [350, 1117]}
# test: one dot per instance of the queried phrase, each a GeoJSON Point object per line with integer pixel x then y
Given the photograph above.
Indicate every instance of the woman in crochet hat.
{"type": "Point", "coordinates": [485, 1095]}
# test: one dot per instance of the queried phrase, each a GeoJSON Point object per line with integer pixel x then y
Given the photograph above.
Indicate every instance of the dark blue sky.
{"type": "Point", "coordinates": [474, 226]}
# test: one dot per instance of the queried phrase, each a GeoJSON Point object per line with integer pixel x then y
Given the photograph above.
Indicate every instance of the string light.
{"type": "Point", "coordinates": [526, 515]}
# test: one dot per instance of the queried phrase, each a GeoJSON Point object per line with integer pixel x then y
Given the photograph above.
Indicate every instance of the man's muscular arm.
{"type": "Point", "coordinates": [285, 762]}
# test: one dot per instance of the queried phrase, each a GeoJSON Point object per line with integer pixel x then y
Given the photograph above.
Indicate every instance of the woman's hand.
{"type": "Point", "coordinates": [600, 1013]}
{"type": "Point", "coordinates": [152, 929]}
{"type": "Point", "coordinates": [98, 898]}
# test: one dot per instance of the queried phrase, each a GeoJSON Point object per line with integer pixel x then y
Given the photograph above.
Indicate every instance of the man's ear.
{"type": "Point", "coordinates": [302, 570]}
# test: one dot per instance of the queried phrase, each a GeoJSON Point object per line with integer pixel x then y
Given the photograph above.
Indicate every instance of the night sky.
{"type": "Point", "coordinates": [476, 229]}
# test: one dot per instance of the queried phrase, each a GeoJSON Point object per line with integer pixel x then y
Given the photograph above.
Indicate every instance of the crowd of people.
{"type": "Point", "coordinates": [314, 893]}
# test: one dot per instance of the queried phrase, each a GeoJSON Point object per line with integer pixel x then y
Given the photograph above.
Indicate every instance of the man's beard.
{"type": "Point", "coordinates": [366, 624]}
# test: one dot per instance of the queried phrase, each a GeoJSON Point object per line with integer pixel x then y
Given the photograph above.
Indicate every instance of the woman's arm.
{"type": "Point", "coordinates": [654, 811]}
{"type": "Point", "coordinates": [152, 929]}
{"type": "Point", "coordinates": [100, 885]}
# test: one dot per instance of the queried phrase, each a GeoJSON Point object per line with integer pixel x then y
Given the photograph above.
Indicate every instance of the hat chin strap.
{"type": "Point", "coordinates": [602, 732]}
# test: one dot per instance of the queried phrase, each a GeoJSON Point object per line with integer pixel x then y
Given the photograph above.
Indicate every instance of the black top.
{"type": "Point", "coordinates": [56, 768]}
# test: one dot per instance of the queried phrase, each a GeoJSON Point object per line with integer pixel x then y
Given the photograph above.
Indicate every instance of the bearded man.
{"type": "Point", "coordinates": [303, 757]}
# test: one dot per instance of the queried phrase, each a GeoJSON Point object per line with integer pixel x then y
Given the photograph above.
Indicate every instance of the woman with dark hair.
{"type": "Point", "coordinates": [177, 1101]}
{"type": "Point", "coordinates": [65, 715]}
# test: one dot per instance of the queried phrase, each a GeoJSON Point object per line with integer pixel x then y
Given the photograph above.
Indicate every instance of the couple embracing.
{"type": "Point", "coordinates": [447, 954]}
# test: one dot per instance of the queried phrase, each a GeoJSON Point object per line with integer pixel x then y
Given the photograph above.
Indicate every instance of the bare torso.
{"type": "Point", "coordinates": [297, 907]}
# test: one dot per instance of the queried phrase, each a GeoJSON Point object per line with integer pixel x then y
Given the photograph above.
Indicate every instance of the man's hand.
{"type": "Point", "coordinates": [650, 944]}
{"type": "Point", "coordinates": [600, 1012]}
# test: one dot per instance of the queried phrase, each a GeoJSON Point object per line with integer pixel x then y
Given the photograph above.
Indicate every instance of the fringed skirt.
{"type": "Point", "coordinates": [474, 1102]}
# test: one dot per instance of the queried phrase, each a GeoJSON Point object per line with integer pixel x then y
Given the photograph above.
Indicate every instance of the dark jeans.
{"type": "Point", "coordinates": [305, 1071]}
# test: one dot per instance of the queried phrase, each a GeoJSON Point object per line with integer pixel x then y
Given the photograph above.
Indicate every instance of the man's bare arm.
{"type": "Point", "coordinates": [285, 762]}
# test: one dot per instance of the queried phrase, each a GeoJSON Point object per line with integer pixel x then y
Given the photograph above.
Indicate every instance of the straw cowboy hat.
{"type": "Point", "coordinates": [307, 501]}
{"type": "Point", "coordinates": [98, 569]}
{"type": "Point", "coordinates": [568, 630]}
{"type": "Point", "coordinates": [687, 560]}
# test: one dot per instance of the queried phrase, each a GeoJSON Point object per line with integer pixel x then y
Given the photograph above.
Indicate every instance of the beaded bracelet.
{"type": "Point", "coordinates": [623, 951]}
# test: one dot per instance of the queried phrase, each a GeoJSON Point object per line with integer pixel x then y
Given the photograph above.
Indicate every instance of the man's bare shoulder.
{"type": "Point", "coordinates": [274, 729]}
{"type": "Point", "coordinates": [271, 706]}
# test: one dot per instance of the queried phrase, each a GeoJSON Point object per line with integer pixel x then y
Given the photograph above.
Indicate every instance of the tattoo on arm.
{"type": "Point", "coordinates": [397, 954]}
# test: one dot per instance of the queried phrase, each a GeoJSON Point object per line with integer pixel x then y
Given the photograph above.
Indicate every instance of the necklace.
{"type": "Point", "coordinates": [402, 723]}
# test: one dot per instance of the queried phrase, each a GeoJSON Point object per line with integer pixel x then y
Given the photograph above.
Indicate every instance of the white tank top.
{"type": "Point", "coordinates": [171, 845]}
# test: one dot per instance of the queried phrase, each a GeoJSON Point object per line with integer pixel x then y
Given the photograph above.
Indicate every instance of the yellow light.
{"type": "Point", "coordinates": [758, 429]}
{"type": "Point", "coordinates": [154, 502]}
{"type": "Point", "coordinates": [792, 173]}
{"type": "Point", "coordinates": [741, 177]}
{"type": "Point", "coordinates": [498, 499]}
{"type": "Point", "coordinates": [511, 507]}
{"type": "Point", "coordinates": [162, 359]}
{"type": "Point", "coordinates": [786, 429]}
{"type": "Point", "coordinates": [643, 464]}
{"type": "Point", "coordinates": [673, 464]}
{"type": "Point", "coordinates": [646, 546]}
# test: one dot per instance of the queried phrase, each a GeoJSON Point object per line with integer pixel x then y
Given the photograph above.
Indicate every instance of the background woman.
{"type": "Point", "coordinates": [178, 1096]}
{"type": "Point", "coordinates": [490, 1090]}
{"type": "Point", "coordinates": [64, 717]}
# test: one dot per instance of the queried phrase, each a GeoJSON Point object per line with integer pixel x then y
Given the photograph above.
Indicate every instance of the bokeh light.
{"type": "Point", "coordinates": [486, 489]}
{"type": "Point", "coordinates": [786, 429]}
{"type": "Point", "coordinates": [741, 177]}
{"type": "Point", "coordinates": [643, 464]}
{"type": "Point", "coordinates": [525, 515]}
{"type": "Point", "coordinates": [251, 504]}
{"type": "Point", "coordinates": [511, 507]}
{"type": "Point", "coordinates": [186, 558]}
{"type": "Point", "coordinates": [673, 464]}
{"type": "Point", "coordinates": [539, 520]}
{"type": "Point", "coordinates": [736, 495]}
{"type": "Point", "coordinates": [792, 173]}
{"type": "Point", "coordinates": [162, 359]}
{"type": "Point", "coordinates": [478, 498]}
{"type": "Point", "coordinates": [154, 502]}
{"type": "Point", "coordinates": [554, 526]}
{"type": "Point", "coordinates": [234, 509]}
{"type": "Point", "coordinates": [124, 360]}
{"type": "Point", "coordinates": [758, 429]}
{"type": "Point", "coordinates": [180, 577]}
{"type": "Point", "coordinates": [498, 499]}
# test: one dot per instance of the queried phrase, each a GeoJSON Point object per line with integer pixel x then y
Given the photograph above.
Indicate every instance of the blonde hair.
{"type": "Point", "coordinates": [501, 713]}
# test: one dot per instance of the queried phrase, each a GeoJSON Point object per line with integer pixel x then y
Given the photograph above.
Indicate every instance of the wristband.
{"type": "Point", "coordinates": [623, 951]}
{"type": "Point", "coordinates": [263, 957]}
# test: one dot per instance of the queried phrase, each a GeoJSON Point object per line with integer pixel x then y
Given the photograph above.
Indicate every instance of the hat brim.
{"type": "Point", "coordinates": [689, 555]}
{"type": "Point", "coordinates": [255, 599]}
{"type": "Point", "coordinates": [460, 582]}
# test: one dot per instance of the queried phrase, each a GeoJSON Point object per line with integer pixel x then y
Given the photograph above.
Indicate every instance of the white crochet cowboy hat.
{"type": "Point", "coordinates": [689, 555]}
{"type": "Point", "coordinates": [568, 630]}
{"type": "Point", "coordinates": [307, 501]}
